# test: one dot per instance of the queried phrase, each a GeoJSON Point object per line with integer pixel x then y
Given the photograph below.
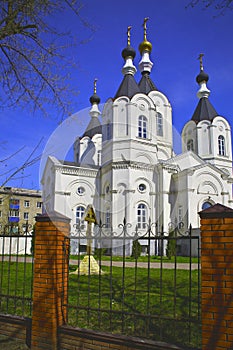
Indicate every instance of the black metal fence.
{"type": "Point", "coordinates": [16, 270]}
{"type": "Point", "coordinates": [136, 283]}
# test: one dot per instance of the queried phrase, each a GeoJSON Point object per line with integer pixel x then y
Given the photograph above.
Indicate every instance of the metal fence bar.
{"type": "Point", "coordinates": [17, 271]}
{"type": "Point", "coordinates": [135, 285]}
{"type": "Point", "coordinates": [123, 279]}
{"type": "Point", "coordinates": [161, 284]}
{"type": "Point", "coordinates": [175, 282]}
{"type": "Point", "coordinates": [190, 286]}
{"type": "Point", "coordinates": [111, 300]}
{"type": "Point", "coordinates": [2, 274]}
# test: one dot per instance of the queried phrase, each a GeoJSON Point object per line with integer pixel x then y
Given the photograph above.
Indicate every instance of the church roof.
{"type": "Point", "coordinates": [128, 87]}
{"type": "Point", "coordinates": [146, 84]}
{"type": "Point", "coordinates": [94, 127]}
{"type": "Point", "coordinates": [78, 165]}
{"type": "Point", "coordinates": [204, 111]}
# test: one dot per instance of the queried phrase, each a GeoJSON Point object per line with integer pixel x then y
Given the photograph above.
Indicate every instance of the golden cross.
{"type": "Point", "coordinates": [128, 35]}
{"type": "Point", "coordinates": [201, 61]}
{"type": "Point", "coordinates": [95, 85]}
{"type": "Point", "coordinates": [145, 28]}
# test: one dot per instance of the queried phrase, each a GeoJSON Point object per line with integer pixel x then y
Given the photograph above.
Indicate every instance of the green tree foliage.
{"type": "Point", "coordinates": [171, 244]}
{"type": "Point", "coordinates": [99, 252]}
{"type": "Point", "coordinates": [136, 249]}
{"type": "Point", "coordinates": [32, 62]}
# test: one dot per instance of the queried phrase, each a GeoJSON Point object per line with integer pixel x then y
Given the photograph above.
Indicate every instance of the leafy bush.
{"type": "Point", "coordinates": [171, 245]}
{"type": "Point", "coordinates": [136, 249]}
{"type": "Point", "coordinates": [99, 252]}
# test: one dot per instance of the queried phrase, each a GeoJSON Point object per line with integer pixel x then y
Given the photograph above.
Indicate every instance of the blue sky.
{"type": "Point", "coordinates": [178, 35]}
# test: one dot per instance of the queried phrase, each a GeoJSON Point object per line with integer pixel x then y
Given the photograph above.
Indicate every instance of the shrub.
{"type": "Point", "coordinates": [136, 249]}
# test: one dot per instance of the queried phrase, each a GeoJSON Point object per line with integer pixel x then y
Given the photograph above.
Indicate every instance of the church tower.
{"type": "Point", "coordinates": [87, 148]}
{"type": "Point", "coordinates": [207, 133]}
{"type": "Point", "coordinates": [137, 135]}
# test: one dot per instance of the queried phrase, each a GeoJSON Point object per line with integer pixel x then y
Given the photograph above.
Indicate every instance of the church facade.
{"type": "Point", "coordinates": [124, 164]}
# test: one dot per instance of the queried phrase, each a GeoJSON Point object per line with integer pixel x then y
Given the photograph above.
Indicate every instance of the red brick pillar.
{"type": "Point", "coordinates": [217, 277]}
{"type": "Point", "coordinates": [50, 280]}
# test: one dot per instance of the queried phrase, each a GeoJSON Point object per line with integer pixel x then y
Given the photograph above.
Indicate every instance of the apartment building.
{"type": "Point", "coordinates": [18, 208]}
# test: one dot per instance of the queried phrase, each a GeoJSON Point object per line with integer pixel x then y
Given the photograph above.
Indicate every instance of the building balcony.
{"type": "Point", "coordinates": [13, 219]}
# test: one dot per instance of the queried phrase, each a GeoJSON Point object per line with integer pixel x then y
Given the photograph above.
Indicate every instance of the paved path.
{"type": "Point", "coordinates": [153, 265]}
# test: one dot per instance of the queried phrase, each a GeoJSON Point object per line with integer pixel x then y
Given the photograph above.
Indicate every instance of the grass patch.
{"type": "Point", "coordinates": [154, 304]}
{"type": "Point", "coordinates": [15, 288]}
{"type": "Point", "coordinates": [150, 304]}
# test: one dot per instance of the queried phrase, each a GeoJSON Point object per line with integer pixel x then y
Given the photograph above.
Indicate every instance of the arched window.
{"type": "Point", "coordinates": [142, 127]}
{"type": "Point", "coordinates": [108, 218]}
{"type": "Point", "coordinates": [141, 216]}
{"type": "Point", "coordinates": [221, 145]}
{"type": "Point", "coordinates": [99, 157]}
{"type": "Point", "coordinates": [180, 214]}
{"type": "Point", "coordinates": [79, 214]}
{"type": "Point", "coordinates": [108, 131]}
{"type": "Point", "coordinates": [190, 145]}
{"type": "Point", "coordinates": [206, 205]}
{"type": "Point", "coordinates": [159, 124]}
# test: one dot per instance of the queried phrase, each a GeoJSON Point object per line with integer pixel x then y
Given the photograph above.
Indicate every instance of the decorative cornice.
{"type": "Point", "coordinates": [132, 165]}
{"type": "Point", "coordinates": [76, 170]}
{"type": "Point", "coordinates": [208, 193]}
{"type": "Point", "coordinates": [171, 168]}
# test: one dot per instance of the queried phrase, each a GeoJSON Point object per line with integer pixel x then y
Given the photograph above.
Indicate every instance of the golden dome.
{"type": "Point", "coordinates": [145, 46]}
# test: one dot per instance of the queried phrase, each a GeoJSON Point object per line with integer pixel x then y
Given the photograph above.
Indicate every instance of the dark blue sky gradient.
{"type": "Point", "coordinates": [178, 34]}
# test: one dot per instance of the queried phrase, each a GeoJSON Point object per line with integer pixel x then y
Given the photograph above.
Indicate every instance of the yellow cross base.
{"type": "Point", "coordinates": [88, 266]}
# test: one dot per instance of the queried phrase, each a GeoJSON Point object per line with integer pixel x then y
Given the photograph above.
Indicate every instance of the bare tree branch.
{"type": "Point", "coordinates": [221, 6]}
{"type": "Point", "coordinates": [11, 155]}
{"type": "Point", "coordinates": [30, 64]}
{"type": "Point", "coordinates": [29, 161]}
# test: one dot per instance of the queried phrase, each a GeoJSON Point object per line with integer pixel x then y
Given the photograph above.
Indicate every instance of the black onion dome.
{"type": "Point", "coordinates": [94, 127]}
{"type": "Point", "coordinates": [202, 76]}
{"type": "Point", "coordinates": [146, 84]}
{"type": "Point", "coordinates": [204, 111]}
{"type": "Point", "coordinates": [128, 52]}
{"type": "Point", "coordinates": [95, 99]}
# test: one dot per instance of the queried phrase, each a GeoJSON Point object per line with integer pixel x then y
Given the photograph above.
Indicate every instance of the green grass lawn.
{"type": "Point", "coordinates": [15, 288]}
{"type": "Point", "coordinates": [151, 304]}
{"type": "Point", "coordinates": [133, 301]}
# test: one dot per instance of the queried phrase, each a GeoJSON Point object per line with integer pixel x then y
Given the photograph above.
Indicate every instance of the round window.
{"type": "Point", "coordinates": [80, 190]}
{"type": "Point", "coordinates": [142, 187]}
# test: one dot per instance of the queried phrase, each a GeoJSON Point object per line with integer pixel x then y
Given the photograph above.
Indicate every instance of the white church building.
{"type": "Point", "coordinates": [124, 164]}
